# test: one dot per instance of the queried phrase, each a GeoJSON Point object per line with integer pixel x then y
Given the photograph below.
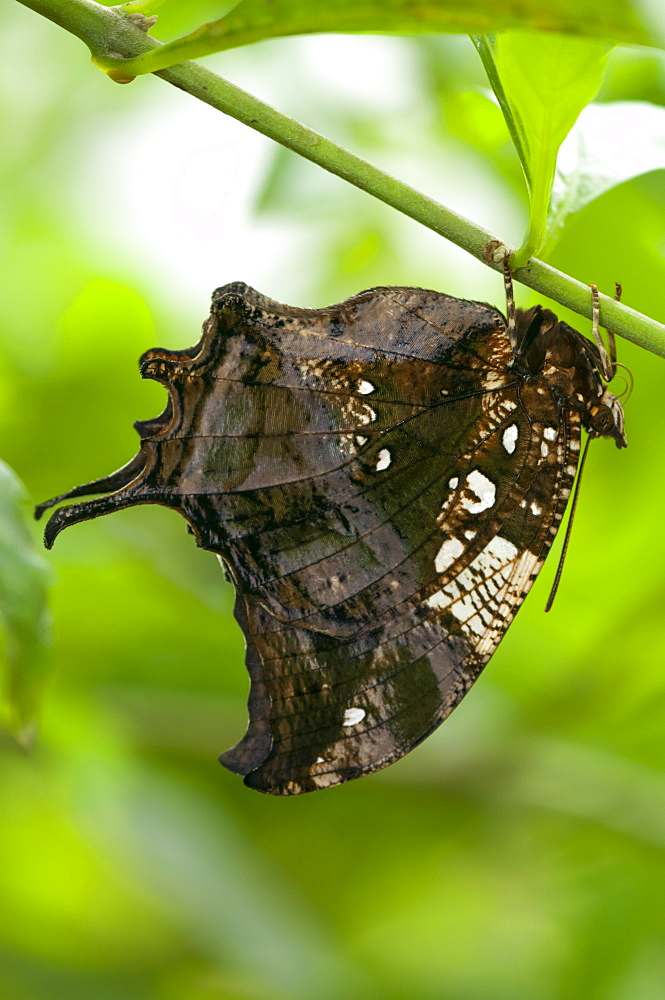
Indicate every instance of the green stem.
{"type": "Point", "coordinates": [102, 29]}
{"type": "Point", "coordinates": [539, 200]}
{"type": "Point", "coordinates": [107, 32]}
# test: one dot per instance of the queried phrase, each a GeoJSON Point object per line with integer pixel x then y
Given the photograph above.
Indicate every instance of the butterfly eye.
{"type": "Point", "coordinates": [601, 419]}
{"type": "Point", "coordinates": [609, 420]}
{"type": "Point", "coordinates": [605, 420]}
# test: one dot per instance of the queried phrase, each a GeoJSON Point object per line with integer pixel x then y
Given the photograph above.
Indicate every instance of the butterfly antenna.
{"type": "Point", "coordinates": [628, 378]}
{"type": "Point", "coordinates": [564, 550]}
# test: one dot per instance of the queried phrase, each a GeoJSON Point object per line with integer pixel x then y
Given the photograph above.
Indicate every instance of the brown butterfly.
{"type": "Point", "coordinates": [382, 480]}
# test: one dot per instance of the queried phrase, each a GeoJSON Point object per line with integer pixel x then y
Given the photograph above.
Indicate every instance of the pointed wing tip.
{"type": "Point", "coordinates": [56, 523]}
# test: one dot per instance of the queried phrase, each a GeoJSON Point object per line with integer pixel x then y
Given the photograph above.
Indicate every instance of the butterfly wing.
{"type": "Point", "coordinates": [325, 708]}
{"type": "Point", "coordinates": [383, 489]}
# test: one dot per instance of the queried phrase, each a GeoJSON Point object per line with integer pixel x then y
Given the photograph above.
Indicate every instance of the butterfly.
{"type": "Point", "coordinates": [382, 480]}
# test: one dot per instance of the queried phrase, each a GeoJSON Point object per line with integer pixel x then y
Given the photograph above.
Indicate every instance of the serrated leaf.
{"type": "Point", "coordinates": [542, 82]}
{"type": "Point", "coordinates": [253, 20]}
{"type": "Point", "coordinates": [24, 615]}
{"type": "Point", "coordinates": [609, 144]}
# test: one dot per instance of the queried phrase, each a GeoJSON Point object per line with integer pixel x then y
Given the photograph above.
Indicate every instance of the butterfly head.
{"type": "Point", "coordinates": [606, 419]}
{"type": "Point", "coordinates": [548, 348]}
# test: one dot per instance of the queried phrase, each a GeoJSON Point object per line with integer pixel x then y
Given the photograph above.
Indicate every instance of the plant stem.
{"type": "Point", "coordinates": [108, 33]}
{"type": "Point", "coordinates": [101, 28]}
{"type": "Point", "coordinates": [540, 191]}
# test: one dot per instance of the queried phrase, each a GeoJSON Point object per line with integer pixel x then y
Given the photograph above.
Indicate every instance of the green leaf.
{"type": "Point", "coordinates": [253, 20]}
{"type": "Point", "coordinates": [23, 611]}
{"type": "Point", "coordinates": [542, 82]}
{"type": "Point", "coordinates": [591, 160]}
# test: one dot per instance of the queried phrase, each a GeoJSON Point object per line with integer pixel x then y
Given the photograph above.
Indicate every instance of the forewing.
{"type": "Point", "coordinates": [293, 438]}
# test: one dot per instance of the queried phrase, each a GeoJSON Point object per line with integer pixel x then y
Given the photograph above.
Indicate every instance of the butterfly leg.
{"type": "Point", "coordinates": [510, 304]}
{"type": "Point", "coordinates": [609, 413]}
{"type": "Point", "coordinates": [610, 336]}
{"type": "Point", "coordinates": [607, 360]}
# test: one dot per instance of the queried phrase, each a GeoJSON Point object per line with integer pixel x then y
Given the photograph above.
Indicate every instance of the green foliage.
{"type": "Point", "coordinates": [24, 616]}
{"type": "Point", "coordinates": [253, 20]}
{"type": "Point", "coordinates": [542, 82]}
{"type": "Point", "coordinates": [140, 6]}
{"type": "Point", "coordinates": [610, 144]}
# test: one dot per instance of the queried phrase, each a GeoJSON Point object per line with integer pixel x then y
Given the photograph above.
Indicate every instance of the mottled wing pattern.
{"type": "Point", "coordinates": [383, 490]}
{"type": "Point", "coordinates": [325, 708]}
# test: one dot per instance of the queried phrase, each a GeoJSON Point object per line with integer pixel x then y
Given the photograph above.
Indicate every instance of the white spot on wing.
{"type": "Point", "coordinates": [438, 600]}
{"type": "Point", "coordinates": [510, 438]}
{"type": "Point", "coordinates": [361, 440]}
{"type": "Point", "coordinates": [535, 509]}
{"type": "Point", "coordinates": [384, 460]}
{"type": "Point", "coordinates": [365, 387]}
{"type": "Point", "coordinates": [452, 483]}
{"type": "Point", "coordinates": [491, 567]}
{"type": "Point", "coordinates": [550, 434]}
{"type": "Point", "coordinates": [367, 416]}
{"type": "Point", "coordinates": [451, 549]}
{"type": "Point", "coordinates": [501, 548]}
{"type": "Point", "coordinates": [519, 580]}
{"type": "Point", "coordinates": [465, 612]}
{"type": "Point", "coordinates": [492, 381]}
{"type": "Point", "coordinates": [483, 488]}
{"type": "Point", "coordinates": [353, 716]}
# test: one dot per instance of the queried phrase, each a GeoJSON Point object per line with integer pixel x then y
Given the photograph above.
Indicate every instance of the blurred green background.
{"type": "Point", "coordinates": [519, 854]}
